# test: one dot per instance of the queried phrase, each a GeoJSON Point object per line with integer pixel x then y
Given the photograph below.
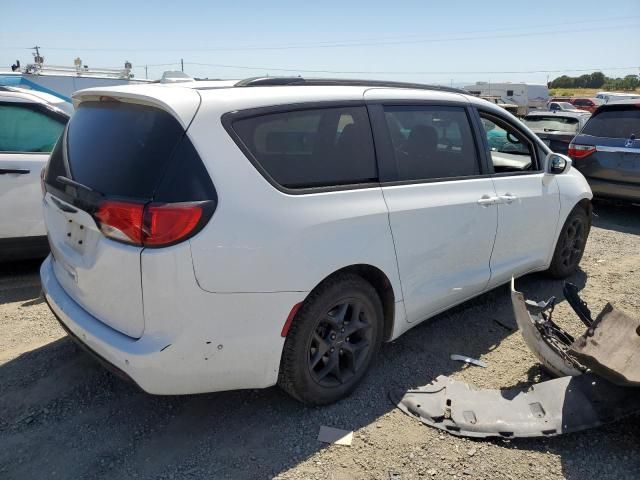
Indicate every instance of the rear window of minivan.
{"type": "Point", "coordinates": [619, 121]}
{"type": "Point", "coordinates": [117, 148]}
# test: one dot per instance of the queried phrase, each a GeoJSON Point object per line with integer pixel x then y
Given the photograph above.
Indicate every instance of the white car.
{"type": "Point", "coordinates": [207, 237]}
{"type": "Point", "coordinates": [563, 107]}
{"type": "Point", "coordinates": [30, 124]}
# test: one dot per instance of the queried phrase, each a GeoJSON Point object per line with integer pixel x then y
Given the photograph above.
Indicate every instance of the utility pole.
{"type": "Point", "coordinates": [146, 72]}
{"type": "Point", "coordinates": [38, 59]}
{"type": "Point", "coordinates": [182, 64]}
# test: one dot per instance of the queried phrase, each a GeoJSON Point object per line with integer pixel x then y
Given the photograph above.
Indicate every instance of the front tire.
{"type": "Point", "coordinates": [332, 341]}
{"type": "Point", "coordinates": [571, 244]}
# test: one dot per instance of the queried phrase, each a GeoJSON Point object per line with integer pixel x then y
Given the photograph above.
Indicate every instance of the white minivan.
{"type": "Point", "coordinates": [208, 237]}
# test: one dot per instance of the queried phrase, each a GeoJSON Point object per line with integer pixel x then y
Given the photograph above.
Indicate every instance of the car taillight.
{"type": "Point", "coordinates": [578, 152]}
{"type": "Point", "coordinates": [168, 223]}
{"type": "Point", "coordinates": [153, 224]}
{"type": "Point", "coordinates": [121, 221]}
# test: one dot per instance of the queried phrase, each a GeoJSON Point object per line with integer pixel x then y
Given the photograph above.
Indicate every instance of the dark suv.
{"type": "Point", "coordinates": [607, 152]}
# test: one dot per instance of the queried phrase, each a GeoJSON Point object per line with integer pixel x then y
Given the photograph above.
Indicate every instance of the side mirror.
{"type": "Point", "coordinates": [557, 163]}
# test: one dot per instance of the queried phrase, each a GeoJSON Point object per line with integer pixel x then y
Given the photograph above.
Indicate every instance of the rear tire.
{"type": "Point", "coordinates": [332, 341]}
{"type": "Point", "coordinates": [571, 244]}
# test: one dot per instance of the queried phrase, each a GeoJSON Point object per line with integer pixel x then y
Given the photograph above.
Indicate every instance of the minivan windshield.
{"type": "Point", "coordinates": [552, 123]}
{"type": "Point", "coordinates": [619, 121]}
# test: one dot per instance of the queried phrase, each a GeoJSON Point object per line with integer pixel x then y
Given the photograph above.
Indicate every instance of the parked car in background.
{"type": "Point", "coordinates": [563, 107]}
{"type": "Point", "coordinates": [616, 96]}
{"type": "Point", "coordinates": [30, 124]}
{"type": "Point", "coordinates": [586, 104]}
{"type": "Point", "coordinates": [556, 128]}
{"type": "Point", "coordinates": [607, 151]}
{"type": "Point", "coordinates": [279, 230]}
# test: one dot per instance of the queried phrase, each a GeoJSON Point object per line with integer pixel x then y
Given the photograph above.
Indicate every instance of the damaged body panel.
{"type": "Point", "coordinates": [554, 407]}
{"type": "Point", "coordinates": [611, 347]}
{"type": "Point", "coordinates": [597, 374]}
{"type": "Point", "coordinates": [548, 342]}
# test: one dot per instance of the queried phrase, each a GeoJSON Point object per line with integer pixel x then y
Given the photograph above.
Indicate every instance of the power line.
{"type": "Point", "coordinates": [418, 41]}
{"type": "Point", "coordinates": [380, 42]}
{"type": "Point", "coordinates": [379, 72]}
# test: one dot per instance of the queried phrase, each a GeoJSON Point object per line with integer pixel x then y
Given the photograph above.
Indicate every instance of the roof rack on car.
{"type": "Point", "coordinates": [319, 82]}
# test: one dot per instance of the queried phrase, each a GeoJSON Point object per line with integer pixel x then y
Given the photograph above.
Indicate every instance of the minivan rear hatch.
{"type": "Point", "coordinates": [118, 163]}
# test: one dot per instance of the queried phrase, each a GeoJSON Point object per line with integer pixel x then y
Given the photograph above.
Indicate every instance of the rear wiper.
{"type": "Point", "coordinates": [72, 183]}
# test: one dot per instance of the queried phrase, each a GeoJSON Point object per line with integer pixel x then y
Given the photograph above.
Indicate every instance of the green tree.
{"type": "Point", "coordinates": [597, 80]}
{"type": "Point", "coordinates": [563, 82]}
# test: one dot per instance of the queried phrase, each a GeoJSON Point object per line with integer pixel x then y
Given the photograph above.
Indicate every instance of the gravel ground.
{"type": "Point", "coordinates": [64, 416]}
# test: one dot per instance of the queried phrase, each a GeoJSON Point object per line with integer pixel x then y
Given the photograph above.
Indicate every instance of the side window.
{"type": "Point", "coordinates": [25, 130]}
{"type": "Point", "coordinates": [431, 142]}
{"type": "Point", "coordinates": [312, 148]}
{"type": "Point", "coordinates": [510, 150]}
{"type": "Point", "coordinates": [509, 93]}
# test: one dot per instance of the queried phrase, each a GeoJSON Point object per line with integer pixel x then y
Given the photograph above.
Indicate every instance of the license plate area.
{"type": "Point", "coordinates": [75, 235]}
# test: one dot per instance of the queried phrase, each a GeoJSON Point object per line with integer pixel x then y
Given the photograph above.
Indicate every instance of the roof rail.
{"type": "Point", "coordinates": [282, 81]}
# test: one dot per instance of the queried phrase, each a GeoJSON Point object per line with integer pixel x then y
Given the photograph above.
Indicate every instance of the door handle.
{"type": "Point", "coordinates": [19, 171]}
{"type": "Point", "coordinates": [487, 200]}
{"type": "Point", "coordinates": [508, 198]}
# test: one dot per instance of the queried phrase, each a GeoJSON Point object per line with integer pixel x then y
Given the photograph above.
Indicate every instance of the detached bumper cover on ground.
{"type": "Point", "coordinates": [561, 405]}
{"type": "Point", "coordinates": [609, 353]}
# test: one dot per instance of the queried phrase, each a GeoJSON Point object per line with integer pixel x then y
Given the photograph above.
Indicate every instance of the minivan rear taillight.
{"type": "Point", "coordinates": [121, 221]}
{"type": "Point", "coordinates": [168, 223]}
{"type": "Point", "coordinates": [153, 224]}
{"type": "Point", "coordinates": [578, 152]}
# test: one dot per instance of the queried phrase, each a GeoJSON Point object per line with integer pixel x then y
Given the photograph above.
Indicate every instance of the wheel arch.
{"type": "Point", "coordinates": [586, 205]}
{"type": "Point", "coordinates": [383, 287]}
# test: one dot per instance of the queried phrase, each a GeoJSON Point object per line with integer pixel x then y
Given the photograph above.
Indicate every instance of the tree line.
{"type": "Point", "coordinates": [596, 80]}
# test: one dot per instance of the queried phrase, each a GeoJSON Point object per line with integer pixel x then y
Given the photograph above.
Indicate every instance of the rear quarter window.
{"type": "Point", "coordinates": [312, 148]}
{"type": "Point", "coordinates": [617, 122]}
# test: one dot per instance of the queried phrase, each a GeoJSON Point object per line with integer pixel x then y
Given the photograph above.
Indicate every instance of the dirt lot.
{"type": "Point", "coordinates": [64, 416]}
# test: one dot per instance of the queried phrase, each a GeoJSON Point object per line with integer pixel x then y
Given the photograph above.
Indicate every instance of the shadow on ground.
{"type": "Point", "coordinates": [61, 414]}
{"type": "Point", "coordinates": [623, 217]}
{"type": "Point", "coordinates": [19, 281]}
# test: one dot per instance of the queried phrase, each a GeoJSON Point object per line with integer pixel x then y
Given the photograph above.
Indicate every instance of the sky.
{"type": "Point", "coordinates": [443, 42]}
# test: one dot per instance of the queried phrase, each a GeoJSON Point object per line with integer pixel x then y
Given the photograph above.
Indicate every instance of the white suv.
{"type": "Point", "coordinates": [209, 237]}
{"type": "Point", "coordinates": [30, 124]}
